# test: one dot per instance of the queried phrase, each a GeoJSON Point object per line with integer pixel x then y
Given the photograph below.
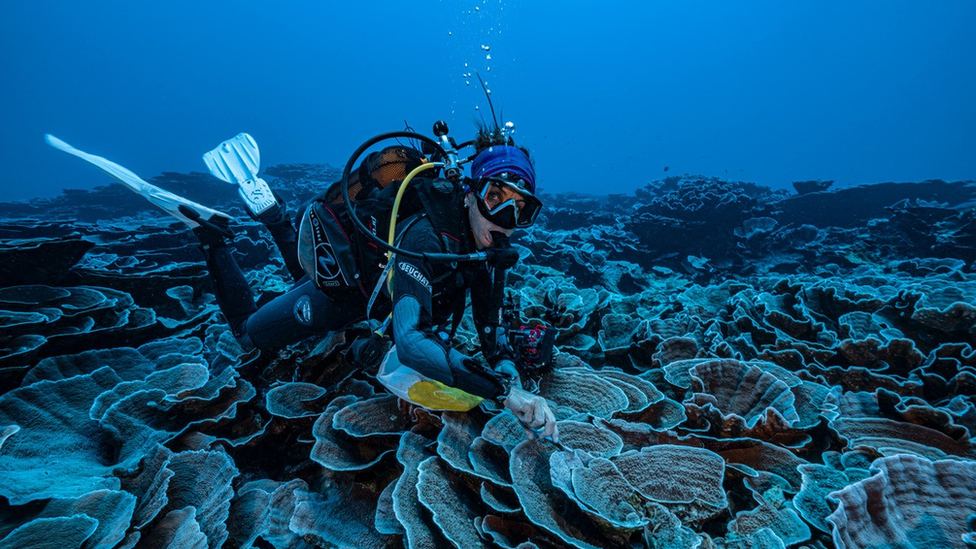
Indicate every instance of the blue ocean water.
{"type": "Point", "coordinates": [607, 96]}
{"type": "Point", "coordinates": [728, 364]}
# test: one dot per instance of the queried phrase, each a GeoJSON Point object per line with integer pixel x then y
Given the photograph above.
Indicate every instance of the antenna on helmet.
{"type": "Point", "coordinates": [488, 97]}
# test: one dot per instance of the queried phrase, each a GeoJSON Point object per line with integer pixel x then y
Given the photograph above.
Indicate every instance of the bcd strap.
{"type": "Point", "coordinates": [457, 312]}
{"type": "Point", "coordinates": [389, 265]}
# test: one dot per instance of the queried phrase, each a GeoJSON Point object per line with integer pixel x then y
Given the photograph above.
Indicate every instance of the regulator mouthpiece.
{"type": "Point", "coordinates": [502, 255]}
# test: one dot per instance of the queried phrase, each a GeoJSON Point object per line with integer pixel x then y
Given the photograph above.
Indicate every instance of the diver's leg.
{"type": "Point", "coordinates": [231, 289]}
{"type": "Point", "coordinates": [299, 313]}
{"type": "Point", "coordinates": [278, 222]}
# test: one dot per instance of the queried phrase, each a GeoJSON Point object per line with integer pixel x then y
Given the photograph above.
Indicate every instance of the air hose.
{"type": "Point", "coordinates": [361, 227]}
{"type": "Point", "coordinates": [396, 209]}
{"type": "Point", "coordinates": [403, 188]}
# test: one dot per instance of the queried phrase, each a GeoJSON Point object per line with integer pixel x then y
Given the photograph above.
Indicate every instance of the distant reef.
{"type": "Point", "coordinates": [736, 367]}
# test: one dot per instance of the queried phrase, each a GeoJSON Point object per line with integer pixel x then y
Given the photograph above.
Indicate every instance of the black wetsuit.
{"type": "Point", "coordinates": [425, 298]}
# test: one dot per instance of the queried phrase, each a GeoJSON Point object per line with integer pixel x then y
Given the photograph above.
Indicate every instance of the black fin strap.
{"type": "Point", "coordinates": [219, 229]}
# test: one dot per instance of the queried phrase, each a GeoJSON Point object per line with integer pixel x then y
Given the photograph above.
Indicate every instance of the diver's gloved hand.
{"type": "Point", "coordinates": [533, 413]}
{"type": "Point", "coordinates": [507, 368]}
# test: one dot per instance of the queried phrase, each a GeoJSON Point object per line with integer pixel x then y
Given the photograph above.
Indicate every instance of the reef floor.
{"type": "Point", "coordinates": [735, 367]}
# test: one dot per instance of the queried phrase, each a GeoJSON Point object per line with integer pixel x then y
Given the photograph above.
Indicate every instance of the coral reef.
{"type": "Point", "coordinates": [735, 367]}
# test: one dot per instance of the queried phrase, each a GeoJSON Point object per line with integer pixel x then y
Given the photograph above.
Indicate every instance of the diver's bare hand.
{"type": "Point", "coordinates": [534, 414]}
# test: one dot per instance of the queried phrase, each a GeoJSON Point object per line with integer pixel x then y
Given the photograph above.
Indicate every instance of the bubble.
{"type": "Point", "coordinates": [488, 69]}
{"type": "Point", "coordinates": [486, 48]}
{"type": "Point", "coordinates": [476, 8]}
{"type": "Point", "coordinates": [467, 82]}
{"type": "Point", "coordinates": [477, 108]}
{"type": "Point", "coordinates": [449, 33]}
{"type": "Point", "coordinates": [488, 57]}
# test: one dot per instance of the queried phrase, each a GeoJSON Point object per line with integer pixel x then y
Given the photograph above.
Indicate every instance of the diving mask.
{"type": "Point", "coordinates": [507, 204]}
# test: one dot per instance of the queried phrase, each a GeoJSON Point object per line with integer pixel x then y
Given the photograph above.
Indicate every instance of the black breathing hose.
{"type": "Point", "coordinates": [361, 227]}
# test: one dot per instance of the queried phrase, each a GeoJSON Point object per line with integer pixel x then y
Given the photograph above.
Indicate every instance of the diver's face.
{"type": "Point", "coordinates": [481, 228]}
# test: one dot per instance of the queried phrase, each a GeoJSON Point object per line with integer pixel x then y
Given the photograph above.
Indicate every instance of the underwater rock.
{"type": "Point", "coordinates": [804, 187]}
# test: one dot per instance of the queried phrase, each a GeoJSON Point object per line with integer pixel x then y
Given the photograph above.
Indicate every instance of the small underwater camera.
{"type": "Point", "coordinates": [531, 342]}
{"type": "Point", "coordinates": [533, 345]}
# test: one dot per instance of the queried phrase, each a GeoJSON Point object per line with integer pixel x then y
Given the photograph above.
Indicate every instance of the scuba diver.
{"type": "Point", "coordinates": [447, 236]}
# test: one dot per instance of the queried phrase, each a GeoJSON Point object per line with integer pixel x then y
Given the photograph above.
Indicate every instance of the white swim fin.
{"type": "Point", "coordinates": [187, 211]}
{"type": "Point", "coordinates": [237, 161]}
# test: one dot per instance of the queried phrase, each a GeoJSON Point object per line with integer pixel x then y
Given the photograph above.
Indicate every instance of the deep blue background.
{"type": "Point", "coordinates": [605, 94]}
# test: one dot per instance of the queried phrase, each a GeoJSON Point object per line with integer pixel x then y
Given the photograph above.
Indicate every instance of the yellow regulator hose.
{"type": "Point", "coordinates": [402, 190]}
{"type": "Point", "coordinates": [396, 210]}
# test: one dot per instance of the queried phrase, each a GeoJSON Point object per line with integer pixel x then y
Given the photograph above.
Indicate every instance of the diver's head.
{"type": "Point", "coordinates": [502, 192]}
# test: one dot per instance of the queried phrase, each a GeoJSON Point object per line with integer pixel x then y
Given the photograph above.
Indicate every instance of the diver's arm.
{"type": "Point", "coordinates": [424, 352]}
{"type": "Point", "coordinates": [417, 346]}
{"type": "Point", "coordinates": [487, 318]}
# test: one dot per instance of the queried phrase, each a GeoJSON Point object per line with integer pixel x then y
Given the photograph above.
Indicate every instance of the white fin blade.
{"type": "Point", "coordinates": [162, 198]}
{"type": "Point", "coordinates": [211, 159]}
{"type": "Point", "coordinates": [236, 160]}
{"type": "Point", "coordinates": [124, 175]}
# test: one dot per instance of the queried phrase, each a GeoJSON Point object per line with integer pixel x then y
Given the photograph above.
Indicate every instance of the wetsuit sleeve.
{"type": "Point", "coordinates": [417, 345]}
{"type": "Point", "coordinates": [486, 318]}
